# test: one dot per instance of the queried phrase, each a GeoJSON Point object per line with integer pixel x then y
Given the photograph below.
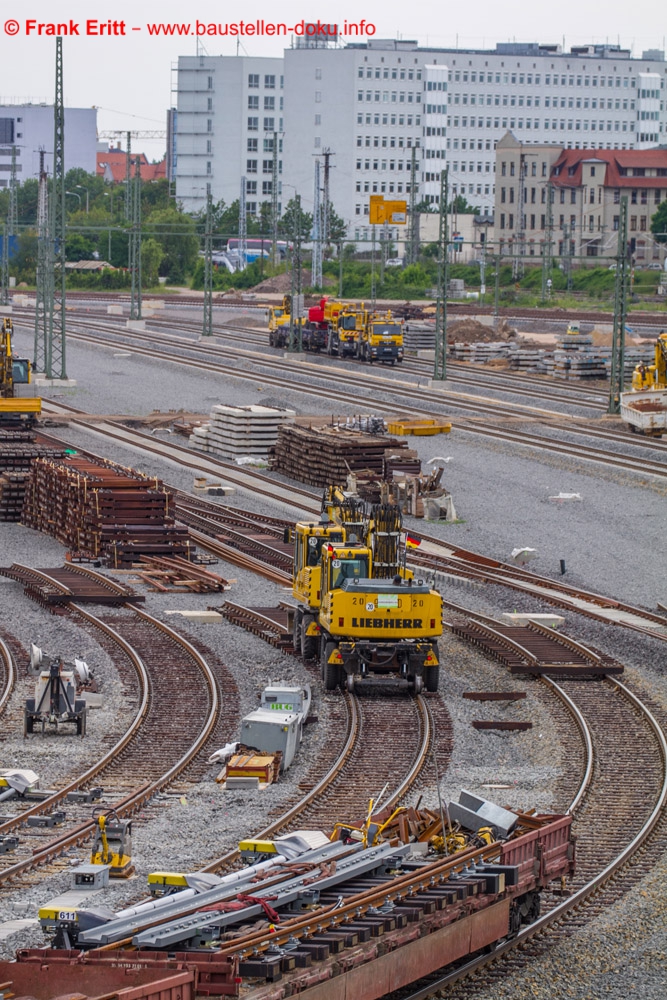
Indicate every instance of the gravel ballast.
{"type": "Point", "coordinates": [613, 541]}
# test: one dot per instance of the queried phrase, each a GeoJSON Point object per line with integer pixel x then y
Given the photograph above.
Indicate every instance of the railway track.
{"type": "Point", "coordinates": [469, 404]}
{"type": "Point", "coordinates": [640, 318]}
{"type": "Point", "coordinates": [7, 674]}
{"type": "Point", "coordinates": [150, 755]}
{"type": "Point", "coordinates": [625, 777]}
{"type": "Point", "coordinates": [435, 555]}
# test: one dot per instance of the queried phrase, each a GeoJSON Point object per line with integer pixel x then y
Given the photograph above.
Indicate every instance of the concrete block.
{"type": "Point", "coordinates": [552, 621]}
{"type": "Point", "coordinates": [6, 310]}
{"type": "Point", "coordinates": [93, 699]}
{"type": "Point", "coordinates": [114, 310]}
{"type": "Point", "coordinates": [9, 927]}
{"type": "Point", "coordinates": [135, 324]}
{"type": "Point", "coordinates": [55, 383]}
{"type": "Point", "coordinates": [232, 783]}
{"type": "Point", "coordinates": [198, 616]}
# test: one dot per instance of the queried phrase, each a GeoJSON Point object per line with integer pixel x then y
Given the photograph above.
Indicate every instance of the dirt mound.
{"type": "Point", "coordinates": [282, 283]}
{"type": "Point", "coordinates": [470, 331]}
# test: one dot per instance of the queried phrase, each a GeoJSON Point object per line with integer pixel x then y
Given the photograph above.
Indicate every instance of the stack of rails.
{"type": "Point", "coordinates": [17, 453]}
{"type": "Point", "coordinates": [102, 511]}
{"type": "Point", "coordinates": [323, 455]}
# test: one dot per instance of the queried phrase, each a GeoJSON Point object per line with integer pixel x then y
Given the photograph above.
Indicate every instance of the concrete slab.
{"type": "Point", "coordinates": [552, 621]}
{"type": "Point", "coordinates": [198, 616]}
{"type": "Point", "coordinates": [135, 324]}
{"type": "Point", "coordinates": [54, 383]}
{"type": "Point", "coordinates": [9, 927]}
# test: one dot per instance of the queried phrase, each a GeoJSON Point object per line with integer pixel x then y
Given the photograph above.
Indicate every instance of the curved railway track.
{"type": "Point", "coordinates": [7, 674]}
{"type": "Point", "coordinates": [617, 806]}
{"type": "Point", "coordinates": [150, 754]}
{"type": "Point", "coordinates": [363, 768]}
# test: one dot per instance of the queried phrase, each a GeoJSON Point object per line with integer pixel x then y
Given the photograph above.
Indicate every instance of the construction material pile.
{"type": "Point", "coordinates": [319, 455]}
{"type": "Point", "coordinates": [165, 575]}
{"type": "Point", "coordinates": [17, 452]}
{"type": "Point", "coordinates": [100, 510]}
{"type": "Point", "coordinates": [240, 431]}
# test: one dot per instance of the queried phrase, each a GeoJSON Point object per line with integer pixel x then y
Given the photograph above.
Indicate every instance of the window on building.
{"type": "Point", "coordinates": [251, 166]}
{"type": "Point", "coordinates": [252, 145]}
{"type": "Point", "coordinates": [253, 102]}
{"type": "Point", "coordinates": [253, 124]}
{"type": "Point", "coordinates": [253, 79]}
{"type": "Point", "coordinates": [270, 82]}
{"type": "Point", "coordinates": [269, 104]}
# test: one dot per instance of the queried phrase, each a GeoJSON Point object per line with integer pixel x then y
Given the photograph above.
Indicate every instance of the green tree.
{"type": "Point", "coordinates": [25, 261]}
{"type": "Point", "coordinates": [177, 235]}
{"type": "Point", "coordinates": [290, 217]}
{"type": "Point", "coordinates": [337, 226]}
{"type": "Point", "coordinates": [659, 223]}
{"type": "Point", "coordinates": [151, 258]}
{"type": "Point", "coordinates": [462, 206]}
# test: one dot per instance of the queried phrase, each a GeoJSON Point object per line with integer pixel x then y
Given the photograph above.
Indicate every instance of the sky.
{"type": "Point", "coordinates": [129, 77]}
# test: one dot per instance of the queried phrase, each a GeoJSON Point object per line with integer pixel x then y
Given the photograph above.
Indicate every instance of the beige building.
{"type": "Point", "coordinates": [586, 188]}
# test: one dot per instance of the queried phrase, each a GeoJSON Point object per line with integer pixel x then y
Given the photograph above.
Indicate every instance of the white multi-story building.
{"type": "Point", "coordinates": [370, 103]}
{"type": "Point", "coordinates": [368, 108]}
{"type": "Point", "coordinates": [29, 128]}
{"type": "Point", "coordinates": [229, 108]}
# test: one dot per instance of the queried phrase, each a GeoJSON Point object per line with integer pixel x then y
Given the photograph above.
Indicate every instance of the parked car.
{"type": "Point", "coordinates": [394, 262]}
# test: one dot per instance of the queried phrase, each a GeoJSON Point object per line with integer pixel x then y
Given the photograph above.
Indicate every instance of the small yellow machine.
{"type": "Point", "coordinates": [113, 844]}
{"type": "Point", "coordinates": [15, 411]}
{"type": "Point", "coordinates": [359, 609]}
{"type": "Point", "coordinates": [653, 376]}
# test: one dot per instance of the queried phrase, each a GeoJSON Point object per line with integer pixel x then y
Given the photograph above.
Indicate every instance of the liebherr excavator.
{"type": "Point", "coordinates": [360, 610]}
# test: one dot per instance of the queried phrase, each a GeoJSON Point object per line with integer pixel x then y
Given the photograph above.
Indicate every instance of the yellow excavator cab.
{"type": "Point", "coordinates": [15, 410]}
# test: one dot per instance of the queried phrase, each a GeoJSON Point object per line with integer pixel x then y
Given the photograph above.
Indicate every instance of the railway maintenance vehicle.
{"type": "Point", "coordinates": [360, 610]}
{"type": "Point", "coordinates": [346, 330]}
{"type": "Point", "coordinates": [15, 410]}
{"type": "Point", "coordinates": [644, 408]}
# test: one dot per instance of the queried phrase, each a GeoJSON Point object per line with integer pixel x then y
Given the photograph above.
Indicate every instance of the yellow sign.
{"type": "Point", "coordinates": [382, 211]}
{"type": "Point", "coordinates": [376, 213]}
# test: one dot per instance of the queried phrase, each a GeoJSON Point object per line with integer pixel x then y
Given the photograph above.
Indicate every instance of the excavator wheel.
{"type": "Point", "coordinates": [330, 671]}
{"type": "Point", "coordinates": [296, 632]}
{"type": "Point", "coordinates": [307, 643]}
{"type": "Point", "coordinates": [431, 678]}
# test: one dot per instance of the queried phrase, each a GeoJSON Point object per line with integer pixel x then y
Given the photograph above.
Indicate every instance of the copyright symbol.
{"type": "Point", "coordinates": [12, 27]}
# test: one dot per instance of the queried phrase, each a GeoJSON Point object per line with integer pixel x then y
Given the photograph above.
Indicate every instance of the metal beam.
{"type": "Point", "coordinates": [440, 362]}
{"type": "Point", "coordinates": [207, 328]}
{"type": "Point", "coordinates": [316, 276]}
{"type": "Point", "coordinates": [274, 204]}
{"type": "Point", "coordinates": [55, 349]}
{"type": "Point", "coordinates": [135, 241]}
{"type": "Point", "coordinates": [44, 282]}
{"type": "Point", "coordinates": [620, 311]}
{"type": "Point", "coordinates": [412, 248]}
